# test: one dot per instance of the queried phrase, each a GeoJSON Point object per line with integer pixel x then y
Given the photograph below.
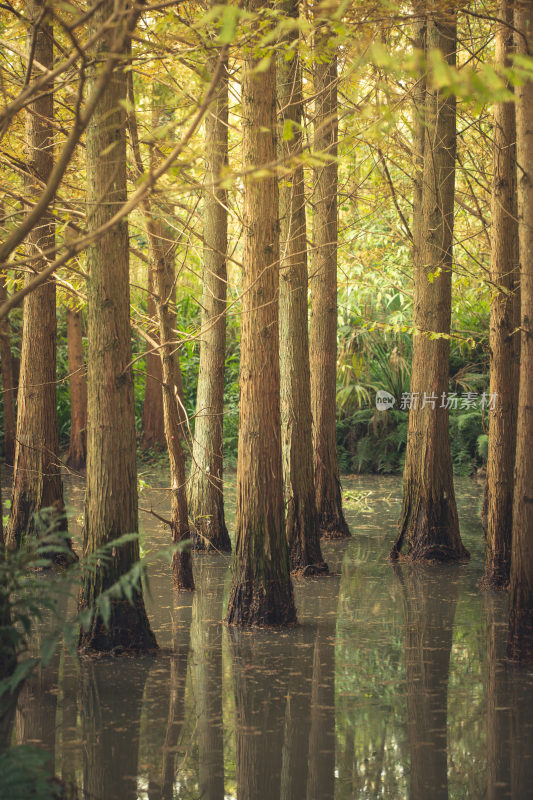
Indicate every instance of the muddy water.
{"type": "Point", "coordinates": [394, 685]}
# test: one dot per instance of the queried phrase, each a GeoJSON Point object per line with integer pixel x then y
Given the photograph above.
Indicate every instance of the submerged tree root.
{"type": "Point", "coordinates": [261, 605]}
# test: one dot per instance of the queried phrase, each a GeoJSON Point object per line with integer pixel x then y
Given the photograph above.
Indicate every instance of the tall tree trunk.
{"type": "Point", "coordinates": [161, 248]}
{"type": "Point", "coordinates": [261, 592]}
{"type": "Point", "coordinates": [111, 499]}
{"type": "Point", "coordinates": [301, 515]}
{"type": "Point", "coordinates": [153, 426]}
{"type": "Point", "coordinates": [521, 616]}
{"type": "Point", "coordinates": [8, 383]}
{"type": "Point", "coordinates": [428, 524]}
{"type": "Point", "coordinates": [172, 412]}
{"type": "Point", "coordinates": [504, 320]}
{"type": "Point", "coordinates": [323, 330]}
{"type": "Point", "coordinates": [206, 493]}
{"type": "Point", "coordinates": [37, 476]}
{"type": "Point", "coordinates": [77, 452]}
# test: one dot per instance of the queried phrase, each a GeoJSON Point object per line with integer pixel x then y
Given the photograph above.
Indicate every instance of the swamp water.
{"type": "Point", "coordinates": [394, 685]}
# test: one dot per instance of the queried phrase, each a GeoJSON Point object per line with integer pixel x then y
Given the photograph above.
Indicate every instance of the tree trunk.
{"type": "Point", "coordinates": [173, 417]}
{"type": "Point", "coordinates": [77, 452]}
{"type": "Point", "coordinates": [8, 383]}
{"type": "Point", "coordinates": [111, 500]}
{"type": "Point", "coordinates": [323, 330]}
{"type": "Point", "coordinates": [206, 494]}
{"type": "Point", "coordinates": [153, 425]}
{"type": "Point", "coordinates": [301, 515]}
{"type": "Point", "coordinates": [428, 524]}
{"type": "Point", "coordinates": [37, 476]}
{"type": "Point", "coordinates": [521, 616]}
{"type": "Point", "coordinates": [261, 592]}
{"type": "Point", "coordinates": [162, 270]}
{"type": "Point", "coordinates": [504, 320]}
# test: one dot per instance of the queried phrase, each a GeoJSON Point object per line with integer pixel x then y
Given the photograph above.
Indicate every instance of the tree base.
{"type": "Point", "coordinates": [430, 529]}
{"type": "Point", "coordinates": [211, 542]}
{"type": "Point", "coordinates": [333, 525]}
{"type": "Point", "coordinates": [261, 605]}
{"type": "Point", "coordinates": [128, 631]}
{"type": "Point", "coordinates": [183, 574]}
{"type": "Point", "coordinates": [495, 580]}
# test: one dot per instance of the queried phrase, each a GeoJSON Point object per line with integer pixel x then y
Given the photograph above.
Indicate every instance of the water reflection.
{"type": "Point", "coordinates": [394, 685]}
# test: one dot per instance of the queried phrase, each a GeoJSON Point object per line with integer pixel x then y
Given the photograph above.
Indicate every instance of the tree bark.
{"type": "Point", "coordinates": [504, 321]}
{"type": "Point", "coordinates": [37, 475]}
{"type": "Point", "coordinates": [206, 494]}
{"type": "Point", "coordinates": [261, 593]}
{"type": "Point", "coordinates": [323, 329]}
{"type": "Point", "coordinates": [521, 603]}
{"type": "Point", "coordinates": [77, 453]}
{"type": "Point", "coordinates": [301, 516]}
{"type": "Point", "coordinates": [429, 525]}
{"type": "Point", "coordinates": [153, 425]}
{"type": "Point", "coordinates": [8, 382]}
{"type": "Point", "coordinates": [111, 499]}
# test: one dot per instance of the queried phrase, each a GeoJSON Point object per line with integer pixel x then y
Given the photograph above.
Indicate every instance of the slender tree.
{"type": "Point", "coordinates": [8, 382]}
{"type": "Point", "coordinates": [37, 476]}
{"type": "Point", "coordinates": [301, 515]}
{"type": "Point", "coordinates": [77, 452]}
{"type": "Point", "coordinates": [521, 604]}
{"type": "Point", "coordinates": [206, 496]}
{"type": "Point", "coordinates": [504, 321]}
{"type": "Point", "coordinates": [428, 524]}
{"type": "Point", "coordinates": [323, 330]}
{"type": "Point", "coordinates": [261, 592]}
{"type": "Point", "coordinates": [153, 426]}
{"type": "Point", "coordinates": [111, 499]}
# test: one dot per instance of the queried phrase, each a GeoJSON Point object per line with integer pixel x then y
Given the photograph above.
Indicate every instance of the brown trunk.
{"type": "Point", "coordinates": [261, 592]}
{"type": "Point", "coordinates": [504, 320]}
{"type": "Point", "coordinates": [521, 616]}
{"type": "Point", "coordinates": [162, 248]}
{"type": "Point", "coordinates": [37, 475]}
{"type": "Point", "coordinates": [77, 452]}
{"type": "Point", "coordinates": [153, 425]}
{"type": "Point", "coordinates": [172, 413]}
{"type": "Point", "coordinates": [428, 524]}
{"type": "Point", "coordinates": [111, 499]}
{"type": "Point", "coordinates": [206, 498]}
{"type": "Point", "coordinates": [428, 642]}
{"type": "Point", "coordinates": [323, 330]}
{"type": "Point", "coordinates": [8, 382]}
{"type": "Point", "coordinates": [301, 515]}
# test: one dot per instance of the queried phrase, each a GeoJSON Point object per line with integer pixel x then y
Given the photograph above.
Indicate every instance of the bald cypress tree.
{"type": "Point", "coordinates": [111, 499]}
{"type": "Point", "coordinates": [261, 592]}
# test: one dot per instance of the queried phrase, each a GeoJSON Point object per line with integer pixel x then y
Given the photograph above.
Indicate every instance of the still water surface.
{"type": "Point", "coordinates": [394, 685]}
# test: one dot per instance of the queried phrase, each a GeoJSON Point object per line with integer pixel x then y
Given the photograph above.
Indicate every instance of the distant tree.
{"type": "Point", "coordinates": [504, 322]}
{"type": "Point", "coordinates": [37, 474]}
{"type": "Point", "coordinates": [77, 451]}
{"type": "Point", "coordinates": [206, 492]}
{"type": "Point", "coordinates": [8, 381]}
{"type": "Point", "coordinates": [429, 525]}
{"type": "Point", "coordinates": [301, 514]}
{"type": "Point", "coordinates": [323, 282]}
